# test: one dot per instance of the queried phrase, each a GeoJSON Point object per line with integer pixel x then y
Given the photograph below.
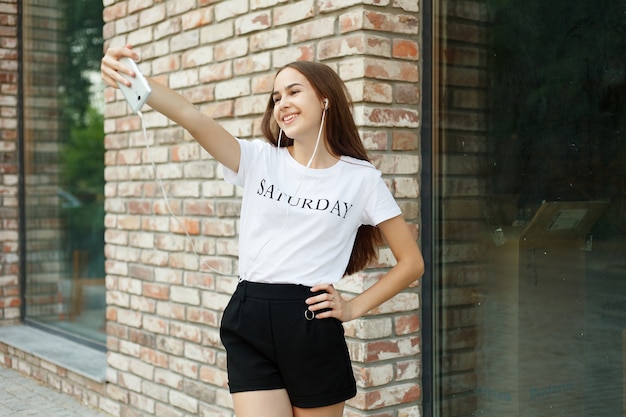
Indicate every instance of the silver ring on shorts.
{"type": "Point", "coordinates": [309, 315]}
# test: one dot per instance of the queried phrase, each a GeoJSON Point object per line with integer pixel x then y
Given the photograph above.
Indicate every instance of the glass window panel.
{"type": "Point", "coordinates": [64, 167]}
{"type": "Point", "coordinates": [529, 160]}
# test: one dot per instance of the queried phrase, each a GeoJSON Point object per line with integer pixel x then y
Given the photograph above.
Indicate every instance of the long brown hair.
{"type": "Point", "coordinates": [342, 137]}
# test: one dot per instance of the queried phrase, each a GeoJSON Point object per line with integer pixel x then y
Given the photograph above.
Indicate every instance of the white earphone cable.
{"type": "Point", "coordinates": [169, 208]}
{"type": "Point", "coordinates": [180, 223]}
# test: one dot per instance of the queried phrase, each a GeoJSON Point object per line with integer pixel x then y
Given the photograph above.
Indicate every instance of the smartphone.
{"type": "Point", "coordinates": [138, 92]}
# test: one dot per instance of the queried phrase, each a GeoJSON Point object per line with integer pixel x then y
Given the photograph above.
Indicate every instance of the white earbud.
{"type": "Point", "coordinates": [325, 104]}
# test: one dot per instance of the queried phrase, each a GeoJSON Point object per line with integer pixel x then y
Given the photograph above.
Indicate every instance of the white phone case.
{"type": "Point", "coordinates": [138, 92]}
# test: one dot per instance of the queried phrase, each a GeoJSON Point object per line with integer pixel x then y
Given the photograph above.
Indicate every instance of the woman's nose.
{"type": "Point", "coordinates": [283, 102]}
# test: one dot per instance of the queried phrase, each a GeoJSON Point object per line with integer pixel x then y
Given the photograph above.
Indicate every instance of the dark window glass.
{"type": "Point", "coordinates": [530, 216]}
{"type": "Point", "coordinates": [63, 167]}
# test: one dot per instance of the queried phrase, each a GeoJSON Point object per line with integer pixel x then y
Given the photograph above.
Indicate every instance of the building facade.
{"type": "Point", "coordinates": [499, 126]}
{"type": "Point", "coordinates": [170, 256]}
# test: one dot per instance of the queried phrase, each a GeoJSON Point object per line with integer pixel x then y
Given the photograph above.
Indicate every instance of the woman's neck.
{"type": "Point", "coordinates": [302, 154]}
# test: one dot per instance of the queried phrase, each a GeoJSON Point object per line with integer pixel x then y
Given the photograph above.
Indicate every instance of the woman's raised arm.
{"type": "Point", "coordinates": [209, 134]}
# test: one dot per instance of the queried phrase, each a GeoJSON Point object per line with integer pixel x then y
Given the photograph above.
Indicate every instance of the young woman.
{"type": "Point", "coordinates": [313, 210]}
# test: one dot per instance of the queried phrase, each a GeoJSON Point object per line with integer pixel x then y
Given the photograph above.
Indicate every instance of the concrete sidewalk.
{"type": "Point", "coordinates": [21, 396]}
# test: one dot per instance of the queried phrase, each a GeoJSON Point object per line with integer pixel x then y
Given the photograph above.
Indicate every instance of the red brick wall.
{"type": "Point", "coordinates": [9, 203]}
{"type": "Point", "coordinates": [164, 307]}
{"type": "Point", "coordinates": [164, 351]}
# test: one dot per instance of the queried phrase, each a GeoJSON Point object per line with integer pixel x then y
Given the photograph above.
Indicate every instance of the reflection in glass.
{"type": "Point", "coordinates": [530, 191]}
{"type": "Point", "coordinates": [64, 167]}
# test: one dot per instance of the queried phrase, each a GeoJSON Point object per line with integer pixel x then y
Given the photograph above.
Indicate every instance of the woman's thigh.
{"type": "Point", "coordinates": [266, 403]}
{"type": "Point", "coordinates": [275, 403]}
{"type": "Point", "coordinates": [335, 410]}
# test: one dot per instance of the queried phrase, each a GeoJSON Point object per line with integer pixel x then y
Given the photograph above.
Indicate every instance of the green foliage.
{"type": "Point", "coordinates": [83, 54]}
{"type": "Point", "coordinates": [82, 155]}
{"type": "Point", "coordinates": [83, 159]}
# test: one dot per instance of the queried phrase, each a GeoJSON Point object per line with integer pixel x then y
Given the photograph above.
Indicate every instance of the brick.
{"type": "Point", "coordinates": [185, 41]}
{"type": "Point", "coordinates": [251, 64]}
{"type": "Point", "coordinates": [158, 291]}
{"type": "Point", "coordinates": [413, 411]}
{"type": "Point", "coordinates": [408, 5]}
{"type": "Point", "coordinates": [370, 91]}
{"type": "Point", "coordinates": [205, 317]}
{"type": "Point", "coordinates": [142, 304]}
{"type": "Point", "coordinates": [405, 49]}
{"type": "Point", "coordinates": [179, 6]}
{"type": "Point", "coordinates": [229, 9]}
{"type": "Point", "coordinates": [262, 4]}
{"type": "Point", "coordinates": [200, 354]}
{"type": "Point", "coordinates": [168, 276]}
{"type": "Point", "coordinates": [319, 28]}
{"type": "Point", "coordinates": [407, 324]}
{"type": "Point", "coordinates": [154, 357]}
{"type": "Point", "coordinates": [214, 376]}
{"type": "Point", "coordinates": [369, 329]}
{"type": "Point", "coordinates": [294, 12]}
{"type": "Point", "coordinates": [215, 301]}
{"type": "Point", "coordinates": [170, 243]}
{"type": "Point", "coordinates": [150, 16]}
{"type": "Point", "coordinates": [186, 332]}
{"type": "Point", "coordinates": [386, 397]}
{"type": "Point", "coordinates": [185, 295]}
{"type": "Point", "coordinates": [129, 318]}
{"type": "Point", "coordinates": [216, 32]}
{"type": "Point", "coordinates": [388, 22]}
{"type": "Point", "coordinates": [386, 349]}
{"type": "Point", "coordinates": [115, 11]}
{"type": "Point", "coordinates": [170, 345]}
{"type": "Point", "coordinates": [183, 401]}
{"type": "Point", "coordinates": [406, 187]}
{"type": "Point", "coordinates": [397, 117]}
{"type": "Point", "coordinates": [190, 59]}
{"type": "Point", "coordinates": [295, 53]}
{"type": "Point", "coordinates": [332, 5]}
{"type": "Point", "coordinates": [130, 349]}
{"type": "Point", "coordinates": [127, 24]}
{"type": "Point", "coordinates": [405, 140]}
{"type": "Point", "coordinates": [253, 22]}
{"type": "Point", "coordinates": [141, 36]}
{"type": "Point", "coordinates": [197, 389]}
{"type": "Point", "coordinates": [184, 367]}
{"type": "Point", "coordinates": [407, 94]}
{"type": "Point", "coordinates": [269, 39]}
{"type": "Point", "coordinates": [230, 49]}
{"type": "Point", "coordinates": [218, 227]}
{"type": "Point", "coordinates": [197, 18]}
{"type": "Point", "coordinates": [408, 370]}
{"type": "Point", "coordinates": [354, 44]}
{"type": "Point", "coordinates": [164, 29]}
{"type": "Point", "coordinates": [109, 406]}
{"type": "Point", "coordinates": [403, 302]}
{"type": "Point", "coordinates": [141, 403]}
{"type": "Point", "coordinates": [137, 5]}
{"type": "Point", "coordinates": [374, 376]}
{"type": "Point", "coordinates": [232, 89]}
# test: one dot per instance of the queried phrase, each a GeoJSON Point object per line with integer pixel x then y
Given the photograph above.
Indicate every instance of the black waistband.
{"type": "Point", "coordinates": [275, 291]}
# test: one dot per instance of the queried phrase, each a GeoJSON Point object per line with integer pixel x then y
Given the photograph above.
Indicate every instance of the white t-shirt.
{"type": "Point", "coordinates": [298, 225]}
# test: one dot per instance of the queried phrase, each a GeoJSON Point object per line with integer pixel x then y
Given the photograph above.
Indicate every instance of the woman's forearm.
{"type": "Point", "coordinates": [209, 134]}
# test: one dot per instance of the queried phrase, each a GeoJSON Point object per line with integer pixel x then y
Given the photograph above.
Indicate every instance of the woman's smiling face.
{"type": "Point", "coordinates": [297, 107]}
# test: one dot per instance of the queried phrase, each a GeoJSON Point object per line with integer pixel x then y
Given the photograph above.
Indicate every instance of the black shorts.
{"type": "Point", "coordinates": [270, 344]}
